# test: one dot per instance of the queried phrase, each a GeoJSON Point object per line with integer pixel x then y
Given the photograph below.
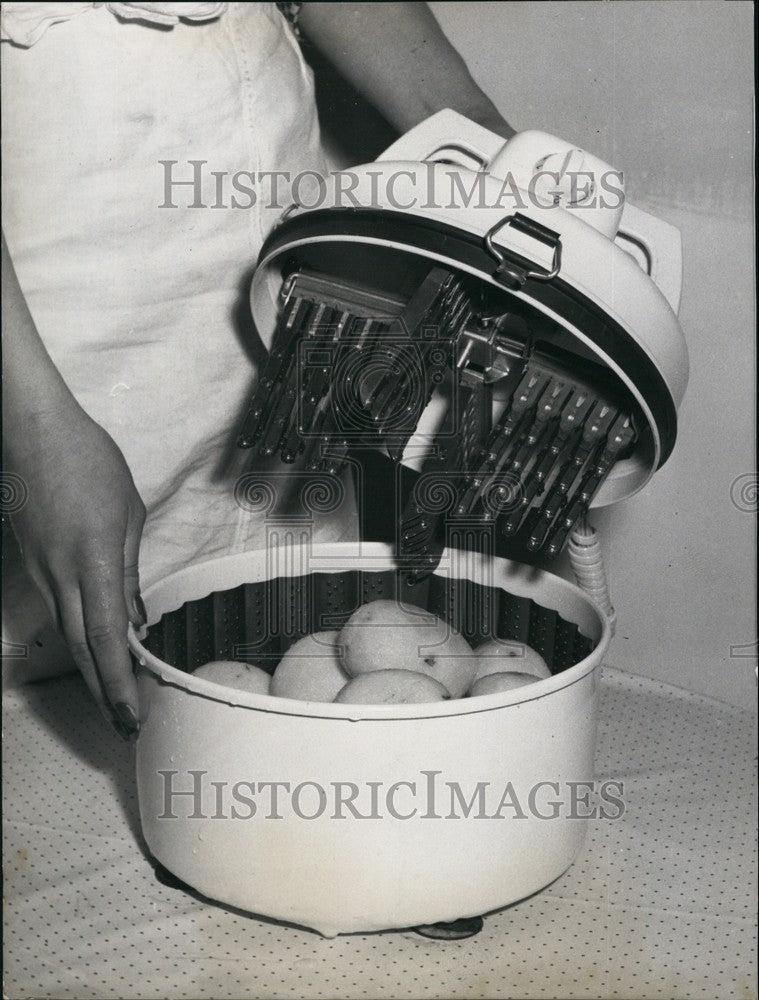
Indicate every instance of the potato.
{"type": "Point", "coordinates": [234, 674]}
{"type": "Point", "coordinates": [499, 656]}
{"type": "Point", "coordinates": [383, 635]}
{"type": "Point", "coordinates": [310, 670]}
{"type": "Point", "coordinates": [494, 683]}
{"type": "Point", "coordinates": [391, 687]}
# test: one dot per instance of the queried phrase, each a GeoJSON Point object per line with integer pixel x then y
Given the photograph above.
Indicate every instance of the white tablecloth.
{"type": "Point", "coordinates": [660, 904]}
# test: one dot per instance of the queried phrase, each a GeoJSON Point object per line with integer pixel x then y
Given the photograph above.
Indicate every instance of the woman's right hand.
{"type": "Point", "coordinates": [79, 528]}
{"type": "Point", "coordinates": [79, 533]}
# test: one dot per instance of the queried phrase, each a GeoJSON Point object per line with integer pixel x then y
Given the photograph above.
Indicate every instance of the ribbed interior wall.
{"type": "Point", "coordinates": [257, 622]}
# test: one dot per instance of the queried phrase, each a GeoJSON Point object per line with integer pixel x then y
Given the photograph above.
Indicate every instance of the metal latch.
{"type": "Point", "coordinates": [509, 273]}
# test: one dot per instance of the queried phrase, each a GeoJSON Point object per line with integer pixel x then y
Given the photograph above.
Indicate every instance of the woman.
{"type": "Point", "coordinates": [125, 367]}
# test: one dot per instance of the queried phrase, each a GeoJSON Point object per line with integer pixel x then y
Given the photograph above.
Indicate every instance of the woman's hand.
{"type": "Point", "coordinates": [80, 527]}
{"type": "Point", "coordinates": [79, 534]}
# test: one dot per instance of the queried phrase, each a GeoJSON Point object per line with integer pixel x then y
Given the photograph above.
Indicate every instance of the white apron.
{"type": "Point", "coordinates": [143, 308]}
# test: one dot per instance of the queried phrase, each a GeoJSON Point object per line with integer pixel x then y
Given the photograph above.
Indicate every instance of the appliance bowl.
{"type": "Point", "coordinates": [346, 818]}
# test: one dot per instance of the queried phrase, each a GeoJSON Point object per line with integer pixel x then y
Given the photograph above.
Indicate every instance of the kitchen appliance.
{"type": "Point", "coordinates": [498, 318]}
{"type": "Point", "coordinates": [384, 816]}
{"type": "Point", "coordinates": [493, 314]}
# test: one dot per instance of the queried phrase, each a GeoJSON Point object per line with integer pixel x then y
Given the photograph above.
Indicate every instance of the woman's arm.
{"type": "Point", "coordinates": [397, 57]}
{"type": "Point", "coordinates": [79, 530]}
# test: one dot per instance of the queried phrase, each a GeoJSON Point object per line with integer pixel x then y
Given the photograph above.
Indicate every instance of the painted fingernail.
{"type": "Point", "coordinates": [125, 722]}
{"type": "Point", "coordinates": [126, 736]}
{"type": "Point", "coordinates": [139, 609]}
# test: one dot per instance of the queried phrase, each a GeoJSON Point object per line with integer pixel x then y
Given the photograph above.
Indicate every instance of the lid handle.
{"type": "Point", "coordinates": [509, 273]}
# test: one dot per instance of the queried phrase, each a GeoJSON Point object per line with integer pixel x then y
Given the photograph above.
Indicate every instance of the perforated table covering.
{"type": "Point", "coordinates": [661, 902]}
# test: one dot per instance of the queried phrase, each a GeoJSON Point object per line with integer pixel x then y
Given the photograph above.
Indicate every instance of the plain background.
{"type": "Point", "coordinates": [664, 92]}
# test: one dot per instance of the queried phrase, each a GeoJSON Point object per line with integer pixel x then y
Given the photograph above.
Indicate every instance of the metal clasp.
{"type": "Point", "coordinates": [512, 274]}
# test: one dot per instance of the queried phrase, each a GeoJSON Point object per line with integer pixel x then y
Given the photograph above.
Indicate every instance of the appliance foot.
{"type": "Point", "coordinates": [165, 877]}
{"type": "Point", "coordinates": [453, 931]}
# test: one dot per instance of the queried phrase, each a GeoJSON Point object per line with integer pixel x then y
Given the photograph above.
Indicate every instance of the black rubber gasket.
{"type": "Point", "coordinates": [432, 236]}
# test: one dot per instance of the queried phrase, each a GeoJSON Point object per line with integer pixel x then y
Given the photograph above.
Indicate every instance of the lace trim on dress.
{"type": "Point", "coordinates": [25, 23]}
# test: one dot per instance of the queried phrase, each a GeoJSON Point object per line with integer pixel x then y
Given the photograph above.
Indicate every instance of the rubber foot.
{"type": "Point", "coordinates": [166, 878]}
{"type": "Point", "coordinates": [453, 931]}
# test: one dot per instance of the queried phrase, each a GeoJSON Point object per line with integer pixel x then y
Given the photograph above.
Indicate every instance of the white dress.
{"type": "Point", "coordinates": [143, 307]}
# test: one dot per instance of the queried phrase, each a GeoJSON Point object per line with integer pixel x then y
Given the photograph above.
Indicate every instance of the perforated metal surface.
{"type": "Point", "coordinates": [257, 622]}
{"type": "Point", "coordinates": [661, 903]}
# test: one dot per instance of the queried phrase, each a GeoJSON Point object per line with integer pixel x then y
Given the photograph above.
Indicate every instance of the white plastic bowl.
{"type": "Point", "coordinates": [314, 862]}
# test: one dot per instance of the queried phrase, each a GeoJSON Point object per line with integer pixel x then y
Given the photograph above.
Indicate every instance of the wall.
{"type": "Point", "coordinates": [664, 92]}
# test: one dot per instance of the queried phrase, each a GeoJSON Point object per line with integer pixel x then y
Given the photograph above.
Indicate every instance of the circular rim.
{"type": "Point", "coordinates": [633, 475]}
{"type": "Point", "coordinates": [233, 570]}
{"type": "Point", "coordinates": [433, 238]}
